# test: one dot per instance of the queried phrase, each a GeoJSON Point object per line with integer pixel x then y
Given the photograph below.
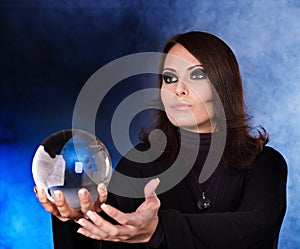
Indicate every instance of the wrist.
{"type": "Point", "coordinates": [157, 237]}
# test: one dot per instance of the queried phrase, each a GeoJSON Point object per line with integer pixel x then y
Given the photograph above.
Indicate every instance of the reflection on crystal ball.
{"type": "Point", "coordinates": [69, 160]}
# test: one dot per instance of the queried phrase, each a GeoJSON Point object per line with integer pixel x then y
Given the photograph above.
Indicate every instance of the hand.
{"type": "Point", "coordinates": [61, 208]}
{"type": "Point", "coordinates": [136, 227]}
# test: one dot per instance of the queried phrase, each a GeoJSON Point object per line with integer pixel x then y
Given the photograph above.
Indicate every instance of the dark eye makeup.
{"type": "Point", "coordinates": [169, 77]}
{"type": "Point", "coordinates": [197, 74]}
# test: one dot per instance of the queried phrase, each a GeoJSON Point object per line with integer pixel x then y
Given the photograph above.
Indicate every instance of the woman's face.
{"type": "Point", "coordinates": [186, 91]}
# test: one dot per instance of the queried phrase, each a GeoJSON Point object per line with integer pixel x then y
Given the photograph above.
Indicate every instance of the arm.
{"type": "Point", "coordinates": [256, 222]}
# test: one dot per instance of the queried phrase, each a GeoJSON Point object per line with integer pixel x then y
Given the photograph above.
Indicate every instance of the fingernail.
{"type": "Point", "coordinates": [80, 221]}
{"type": "Point", "coordinates": [102, 187]}
{"type": "Point", "coordinates": [158, 181]}
{"type": "Point", "coordinates": [83, 193]}
{"type": "Point", "coordinates": [40, 192]}
{"type": "Point", "coordinates": [104, 206]}
{"type": "Point", "coordinates": [57, 195]}
{"type": "Point", "coordinates": [90, 214]}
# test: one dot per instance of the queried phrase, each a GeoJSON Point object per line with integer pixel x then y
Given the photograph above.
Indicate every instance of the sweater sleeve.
{"type": "Point", "coordinates": [255, 224]}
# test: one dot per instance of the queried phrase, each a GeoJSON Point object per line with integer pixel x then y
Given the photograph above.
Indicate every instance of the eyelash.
{"type": "Point", "coordinates": [169, 77]}
{"type": "Point", "coordinates": [197, 74]}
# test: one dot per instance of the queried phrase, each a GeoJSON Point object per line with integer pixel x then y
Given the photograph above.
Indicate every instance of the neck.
{"type": "Point", "coordinates": [189, 139]}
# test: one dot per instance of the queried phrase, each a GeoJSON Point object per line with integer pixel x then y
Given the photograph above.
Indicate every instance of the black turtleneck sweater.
{"type": "Point", "coordinates": [207, 189]}
{"type": "Point", "coordinates": [247, 208]}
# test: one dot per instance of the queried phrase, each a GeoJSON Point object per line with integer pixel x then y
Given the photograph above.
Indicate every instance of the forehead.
{"type": "Point", "coordinates": [179, 55]}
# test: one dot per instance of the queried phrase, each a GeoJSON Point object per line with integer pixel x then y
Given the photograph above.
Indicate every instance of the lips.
{"type": "Point", "coordinates": [181, 106]}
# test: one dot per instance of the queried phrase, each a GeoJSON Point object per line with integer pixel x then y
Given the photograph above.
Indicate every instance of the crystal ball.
{"type": "Point", "coordinates": [69, 160]}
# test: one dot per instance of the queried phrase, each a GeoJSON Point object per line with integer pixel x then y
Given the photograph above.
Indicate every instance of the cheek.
{"type": "Point", "coordinates": [166, 96]}
{"type": "Point", "coordinates": [204, 111]}
{"type": "Point", "coordinates": [204, 102]}
{"type": "Point", "coordinates": [203, 92]}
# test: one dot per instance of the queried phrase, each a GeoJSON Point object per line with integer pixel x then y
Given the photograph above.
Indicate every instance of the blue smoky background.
{"type": "Point", "coordinates": [49, 49]}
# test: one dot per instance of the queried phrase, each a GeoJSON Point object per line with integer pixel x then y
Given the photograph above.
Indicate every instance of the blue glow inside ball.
{"type": "Point", "coordinates": [69, 160]}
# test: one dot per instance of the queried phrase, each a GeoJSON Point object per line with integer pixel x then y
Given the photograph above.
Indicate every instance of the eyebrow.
{"type": "Point", "coordinates": [192, 67]}
{"type": "Point", "coordinates": [189, 68]}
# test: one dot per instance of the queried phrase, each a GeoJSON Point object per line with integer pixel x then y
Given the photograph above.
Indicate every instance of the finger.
{"type": "Point", "coordinates": [100, 227]}
{"type": "Point", "coordinates": [46, 203]}
{"type": "Point", "coordinates": [35, 189]}
{"type": "Point", "coordinates": [117, 215]}
{"type": "Point", "coordinates": [102, 196]}
{"type": "Point", "coordinates": [150, 188]}
{"type": "Point", "coordinates": [91, 230]}
{"type": "Point", "coordinates": [85, 200]}
{"type": "Point", "coordinates": [63, 208]}
{"type": "Point", "coordinates": [151, 200]}
{"type": "Point", "coordinates": [89, 234]}
{"type": "Point", "coordinates": [105, 236]}
{"type": "Point", "coordinates": [102, 191]}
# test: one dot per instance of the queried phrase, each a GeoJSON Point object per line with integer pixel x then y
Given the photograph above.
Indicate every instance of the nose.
{"type": "Point", "coordinates": [181, 89]}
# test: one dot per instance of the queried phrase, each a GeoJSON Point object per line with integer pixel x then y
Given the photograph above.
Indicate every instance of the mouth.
{"type": "Point", "coordinates": [181, 106]}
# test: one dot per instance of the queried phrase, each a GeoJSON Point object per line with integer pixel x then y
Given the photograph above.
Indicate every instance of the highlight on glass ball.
{"type": "Point", "coordinates": [69, 160]}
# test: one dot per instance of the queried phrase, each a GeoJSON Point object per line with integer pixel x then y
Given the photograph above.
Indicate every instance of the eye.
{"type": "Point", "coordinates": [198, 74]}
{"type": "Point", "coordinates": [169, 77]}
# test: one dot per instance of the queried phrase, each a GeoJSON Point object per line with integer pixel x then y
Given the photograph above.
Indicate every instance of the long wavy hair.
{"type": "Point", "coordinates": [243, 142]}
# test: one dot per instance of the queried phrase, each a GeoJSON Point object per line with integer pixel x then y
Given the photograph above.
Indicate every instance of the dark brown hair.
{"type": "Point", "coordinates": [243, 142]}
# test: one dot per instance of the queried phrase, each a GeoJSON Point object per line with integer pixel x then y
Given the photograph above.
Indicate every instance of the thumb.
{"type": "Point", "coordinates": [150, 196]}
{"type": "Point", "coordinates": [150, 188]}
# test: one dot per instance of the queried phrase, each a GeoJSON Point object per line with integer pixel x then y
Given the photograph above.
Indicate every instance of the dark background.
{"type": "Point", "coordinates": [49, 49]}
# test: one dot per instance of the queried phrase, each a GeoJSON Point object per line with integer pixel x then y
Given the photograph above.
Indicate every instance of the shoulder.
{"type": "Point", "coordinates": [272, 156]}
{"type": "Point", "coordinates": [270, 162]}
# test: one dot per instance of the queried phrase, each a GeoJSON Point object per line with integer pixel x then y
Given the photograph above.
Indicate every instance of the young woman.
{"type": "Point", "coordinates": [240, 203]}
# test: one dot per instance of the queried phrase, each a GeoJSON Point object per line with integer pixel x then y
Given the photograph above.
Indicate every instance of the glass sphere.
{"type": "Point", "coordinates": [69, 160]}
